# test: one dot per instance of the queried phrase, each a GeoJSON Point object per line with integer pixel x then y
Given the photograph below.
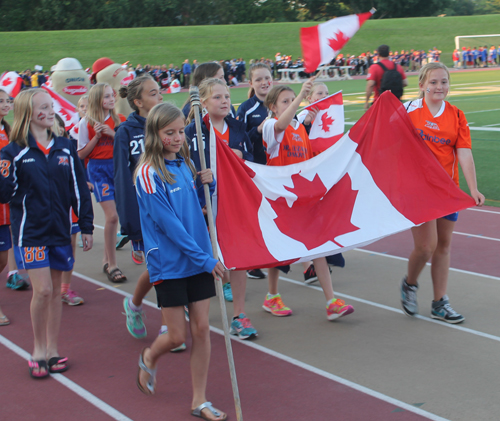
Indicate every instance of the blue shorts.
{"type": "Point", "coordinates": [56, 257]}
{"type": "Point", "coordinates": [453, 217]}
{"type": "Point", "coordinates": [5, 238]}
{"type": "Point", "coordinates": [75, 228]}
{"type": "Point", "coordinates": [100, 172]}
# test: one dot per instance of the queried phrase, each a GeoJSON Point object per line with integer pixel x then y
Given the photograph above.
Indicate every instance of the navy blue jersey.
{"type": "Point", "coordinates": [41, 191]}
{"type": "Point", "coordinates": [127, 149]}
{"type": "Point", "coordinates": [252, 113]}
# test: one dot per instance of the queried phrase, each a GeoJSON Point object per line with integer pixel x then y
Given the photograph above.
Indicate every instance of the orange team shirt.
{"type": "Point", "coordinates": [104, 147]}
{"type": "Point", "coordinates": [443, 133]}
{"type": "Point", "coordinates": [4, 208]}
{"type": "Point", "coordinates": [289, 147]}
{"type": "Point", "coordinates": [224, 136]}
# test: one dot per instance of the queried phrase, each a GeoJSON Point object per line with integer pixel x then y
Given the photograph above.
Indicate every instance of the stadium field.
{"type": "Point", "coordinates": [477, 93]}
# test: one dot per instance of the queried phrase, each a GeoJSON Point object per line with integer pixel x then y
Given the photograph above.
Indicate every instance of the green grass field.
{"type": "Point", "coordinates": [476, 93]}
{"type": "Point", "coordinates": [21, 50]}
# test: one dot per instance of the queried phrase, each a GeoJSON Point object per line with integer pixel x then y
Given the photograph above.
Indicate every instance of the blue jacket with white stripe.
{"type": "Point", "coordinates": [252, 112]}
{"type": "Point", "coordinates": [41, 192]}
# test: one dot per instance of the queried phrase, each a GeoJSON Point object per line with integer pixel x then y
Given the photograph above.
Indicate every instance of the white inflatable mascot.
{"type": "Point", "coordinates": [70, 80]}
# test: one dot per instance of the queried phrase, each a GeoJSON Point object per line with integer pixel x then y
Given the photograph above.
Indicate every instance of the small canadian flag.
{"type": "Point", "coordinates": [175, 87]}
{"type": "Point", "coordinates": [322, 43]}
{"type": "Point", "coordinates": [11, 83]}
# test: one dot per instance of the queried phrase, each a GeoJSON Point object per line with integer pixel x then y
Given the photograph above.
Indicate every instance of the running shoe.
{"type": "Point", "coordinates": [441, 310]}
{"type": "Point", "coordinates": [135, 325]}
{"type": "Point", "coordinates": [310, 275]}
{"type": "Point", "coordinates": [409, 298]}
{"type": "Point", "coordinates": [71, 298]}
{"type": "Point", "coordinates": [180, 348]}
{"type": "Point", "coordinates": [242, 327]}
{"type": "Point", "coordinates": [16, 281]}
{"type": "Point", "coordinates": [338, 308]}
{"type": "Point", "coordinates": [256, 274]}
{"type": "Point", "coordinates": [228, 292]}
{"type": "Point", "coordinates": [276, 307]}
{"type": "Point", "coordinates": [121, 240]}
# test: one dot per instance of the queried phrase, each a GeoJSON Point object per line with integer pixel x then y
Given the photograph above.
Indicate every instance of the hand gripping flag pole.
{"type": "Point", "coordinates": [195, 103]}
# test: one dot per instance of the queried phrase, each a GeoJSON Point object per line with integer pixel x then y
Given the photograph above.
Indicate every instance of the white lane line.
{"type": "Point", "coordinates": [467, 272]}
{"type": "Point", "coordinates": [476, 236]}
{"type": "Point", "coordinates": [483, 210]}
{"type": "Point", "coordinates": [481, 111]}
{"type": "Point", "coordinates": [290, 360]}
{"type": "Point", "coordinates": [396, 310]}
{"type": "Point", "coordinates": [80, 391]}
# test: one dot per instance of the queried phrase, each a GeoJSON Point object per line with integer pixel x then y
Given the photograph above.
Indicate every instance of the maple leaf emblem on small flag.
{"type": "Point", "coordinates": [338, 41]}
{"type": "Point", "coordinates": [7, 81]}
{"type": "Point", "coordinates": [11, 83]}
{"type": "Point", "coordinates": [326, 122]}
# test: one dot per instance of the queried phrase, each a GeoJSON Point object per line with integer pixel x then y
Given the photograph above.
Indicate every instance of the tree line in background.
{"type": "Point", "coordinates": [24, 15]}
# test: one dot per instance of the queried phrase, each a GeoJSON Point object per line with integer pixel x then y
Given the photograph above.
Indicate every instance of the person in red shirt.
{"type": "Point", "coordinates": [444, 129]}
{"type": "Point", "coordinates": [287, 142]}
{"type": "Point", "coordinates": [375, 73]}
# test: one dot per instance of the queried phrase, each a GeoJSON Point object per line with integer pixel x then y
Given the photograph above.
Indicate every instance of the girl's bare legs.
{"type": "Point", "coordinates": [66, 276]}
{"type": "Point", "coordinates": [324, 277]}
{"type": "Point", "coordinates": [110, 230]}
{"type": "Point", "coordinates": [440, 263]}
{"type": "Point", "coordinates": [273, 277]}
{"type": "Point", "coordinates": [54, 315]}
{"type": "Point", "coordinates": [425, 241]}
{"type": "Point", "coordinates": [141, 289]}
{"type": "Point", "coordinates": [239, 287]}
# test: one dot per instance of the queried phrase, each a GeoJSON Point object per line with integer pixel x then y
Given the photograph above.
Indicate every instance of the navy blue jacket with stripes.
{"type": "Point", "coordinates": [41, 192]}
{"type": "Point", "coordinates": [127, 149]}
{"type": "Point", "coordinates": [238, 139]}
{"type": "Point", "coordinates": [252, 112]}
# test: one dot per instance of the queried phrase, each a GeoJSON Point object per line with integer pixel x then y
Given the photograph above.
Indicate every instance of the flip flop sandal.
{"type": "Point", "coordinates": [4, 321]}
{"type": "Point", "coordinates": [58, 361]}
{"type": "Point", "coordinates": [105, 268]}
{"type": "Point", "coordinates": [38, 365]}
{"type": "Point", "coordinates": [150, 385]}
{"type": "Point", "coordinates": [116, 276]}
{"type": "Point", "coordinates": [208, 405]}
{"type": "Point", "coordinates": [138, 257]}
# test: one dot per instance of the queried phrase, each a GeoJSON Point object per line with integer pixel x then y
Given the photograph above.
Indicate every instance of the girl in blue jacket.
{"type": "Point", "coordinates": [215, 99]}
{"type": "Point", "coordinates": [42, 180]}
{"type": "Point", "coordinates": [178, 250]}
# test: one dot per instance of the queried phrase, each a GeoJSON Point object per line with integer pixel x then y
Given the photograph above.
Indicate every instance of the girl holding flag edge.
{"type": "Point", "coordinates": [286, 143]}
{"type": "Point", "coordinates": [180, 261]}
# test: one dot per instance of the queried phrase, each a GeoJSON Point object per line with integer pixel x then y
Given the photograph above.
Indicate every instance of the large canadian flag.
{"type": "Point", "coordinates": [64, 108]}
{"type": "Point", "coordinates": [11, 83]}
{"type": "Point", "coordinates": [379, 179]}
{"type": "Point", "coordinates": [328, 125]}
{"type": "Point", "coordinates": [321, 43]}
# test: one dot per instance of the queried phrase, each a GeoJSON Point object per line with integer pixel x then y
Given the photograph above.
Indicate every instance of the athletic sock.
{"type": "Point", "coordinates": [12, 273]}
{"type": "Point", "coordinates": [163, 329]}
{"type": "Point", "coordinates": [133, 306]}
{"type": "Point", "coordinates": [271, 296]}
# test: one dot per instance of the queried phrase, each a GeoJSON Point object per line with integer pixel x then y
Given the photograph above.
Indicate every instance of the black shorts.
{"type": "Point", "coordinates": [181, 292]}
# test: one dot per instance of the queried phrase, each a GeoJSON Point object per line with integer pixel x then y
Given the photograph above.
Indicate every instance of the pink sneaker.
{"type": "Point", "coordinates": [276, 307]}
{"type": "Point", "coordinates": [338, 308]}
{"type": "Point", "coordinates": [71, 298]}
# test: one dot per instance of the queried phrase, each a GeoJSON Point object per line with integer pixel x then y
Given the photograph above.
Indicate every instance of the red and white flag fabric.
{"type": "Point", "coordinates": [328, 125]}
{"type": "Point", "coordinates": [64, 108]}
{"type": "Point", "coordinates": [174, 87]}
{"type": "Point", "coordinates": [379, 179]}
{"type": "Point", "coordinates": [11, 83]}
{"type": "Point", "coordinates": [321, 43]}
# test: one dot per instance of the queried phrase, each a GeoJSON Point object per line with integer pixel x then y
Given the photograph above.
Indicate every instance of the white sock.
{"type": "Point", "coordinates": [163, 329]}
{"type": "Point", "coordinates": [12, 273]}
{"type": "Point", "coordinates": [133, 306]}
{"type": "Point", "coordinates": [271, 296]}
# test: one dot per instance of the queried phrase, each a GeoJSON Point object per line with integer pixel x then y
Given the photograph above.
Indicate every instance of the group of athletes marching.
{"type": "Point", "coordinates": [145, 172]}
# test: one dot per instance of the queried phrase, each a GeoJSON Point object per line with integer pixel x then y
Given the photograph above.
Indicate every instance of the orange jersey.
{"type": "Point", "coordinates": [223, 136]}
{"type": "Point", "coordinates": [104, 147]}
{"type": "Point", "coordinates": [443, 133]}
{"type": "Point", "coordinates": [289, 147]}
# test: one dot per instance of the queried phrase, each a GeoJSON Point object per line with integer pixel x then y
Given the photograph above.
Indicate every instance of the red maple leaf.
{"type": "Point", "coordinates": [7, 81]}
{"type": "Point", "coordinates": [318, 215]}
{"type": "Point", "coordinates": [64, 114]}
{"type": "Point", "coordinates": [338, 41]}
{"type": "Point", "coordinates": [326, 122]}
